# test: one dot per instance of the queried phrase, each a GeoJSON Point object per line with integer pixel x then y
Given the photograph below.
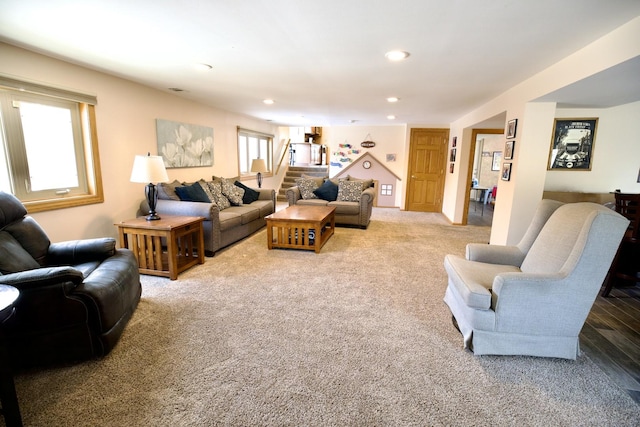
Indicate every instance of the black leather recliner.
{"type": "Point", "coordinates": [76, 297]}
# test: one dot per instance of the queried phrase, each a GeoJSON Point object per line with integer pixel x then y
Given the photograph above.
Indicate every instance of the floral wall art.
{"type": "Point", "coordinates": [184, 145]}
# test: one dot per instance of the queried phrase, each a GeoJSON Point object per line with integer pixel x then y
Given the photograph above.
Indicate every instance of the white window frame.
{"type": "Point", "coordinates": [13, 151]}
{"type": "Point", "coordinates": [254, 145]}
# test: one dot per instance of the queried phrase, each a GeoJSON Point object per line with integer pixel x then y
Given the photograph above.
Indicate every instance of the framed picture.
{"type": "Point", "coordinates": [508, 150]}
{"type": "Point", "coordinates": [451, 167]}
{"type": "Point", "coordinates": [184, 145]}
{"type": "Point", "coordinates": [511, 128]}
{"type": "Point", "coordinates": [572, 144]}
{"type": "Point", "coordinates": [455, 141]}
{"type": "Point", "coordinates": [497, 158]}
{"type": "Point", "coordinates": [506, 172]}
{"type": "Point", "coordinates": [452, 156]}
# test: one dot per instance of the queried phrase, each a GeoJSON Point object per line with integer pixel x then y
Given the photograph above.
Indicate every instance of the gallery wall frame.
{"type": "Point", "coordinates": [511, 128]}
{"type": "Point", "coordinates": [572, 144]}
{"type": "Point", "coordinates": [505, 175]}
{"type": "Point", "coordinates": [508, 150]}
{"type": "Point", "coordinates": [184, 145]}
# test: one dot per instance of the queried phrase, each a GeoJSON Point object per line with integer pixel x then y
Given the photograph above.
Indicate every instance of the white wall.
{"type": "Point", "coordinates": [518, 198]}
{"type": "Point", "coordinates": [389, 140]}
{"type": "Point", "coordinates": [126, 114]}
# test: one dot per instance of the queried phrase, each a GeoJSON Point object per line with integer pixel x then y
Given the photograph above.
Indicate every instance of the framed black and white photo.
{"type": "Point", "coordinates": [511, 128]}
{"type": "Point", "coordinates": [506, 172]}
{"type": "Point", "coordinates": [572, 144]}
{"type": "Point", "coordinates": [508, 150]}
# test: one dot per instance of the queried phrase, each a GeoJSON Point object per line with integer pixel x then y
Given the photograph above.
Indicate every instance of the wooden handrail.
{"type": "Point", "coordinates": [284, 152]}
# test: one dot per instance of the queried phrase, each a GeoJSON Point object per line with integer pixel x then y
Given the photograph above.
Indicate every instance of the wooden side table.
{"type": "Point", "coordinates": [8, 397]}
{"type": "Point", "coordinates": [165, 247]}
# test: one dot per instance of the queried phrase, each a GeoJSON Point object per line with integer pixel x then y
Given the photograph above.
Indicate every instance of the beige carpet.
{"type": "Point", "coordinates": [357, 335]}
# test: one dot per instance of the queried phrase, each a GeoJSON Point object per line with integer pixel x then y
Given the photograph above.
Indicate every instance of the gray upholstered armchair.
{"type": "Point", "coordinates": [75, 297]}
{"type": "Point", "coordinates": [533, 298]}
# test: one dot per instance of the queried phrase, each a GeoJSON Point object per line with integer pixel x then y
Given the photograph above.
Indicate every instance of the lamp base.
{"type": "Point", "coordinates": [153, 217]}
{"type": "Point", "coordinates": [259, 177]}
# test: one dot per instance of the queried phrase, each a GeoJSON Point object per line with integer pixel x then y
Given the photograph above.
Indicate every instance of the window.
{"type": "Point", "coordinates": [48, 146]}
{"type": "Point", "coordinates": [254, 145]}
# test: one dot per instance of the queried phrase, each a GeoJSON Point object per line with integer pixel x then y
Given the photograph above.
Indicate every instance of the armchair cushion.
{"type": "Point", "coordinates": [13, 257]}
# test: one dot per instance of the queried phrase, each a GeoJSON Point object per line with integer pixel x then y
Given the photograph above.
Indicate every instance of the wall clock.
{"type": "Point", "coordinates": [366, 164]}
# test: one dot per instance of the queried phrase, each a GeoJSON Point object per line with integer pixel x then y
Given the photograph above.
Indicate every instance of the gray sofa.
{"type": "Point", "coordinates": [533, 298]}
{"type": "Point", "coordinates": [222, 227]}
{"type": "Point", "coordinates": [347, 213]}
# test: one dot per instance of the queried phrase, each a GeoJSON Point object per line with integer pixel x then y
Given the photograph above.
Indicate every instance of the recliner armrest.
{"type": "Point", "coordinates": [79, 251]}
{"type": "Point", "coordinates": [39, 277]}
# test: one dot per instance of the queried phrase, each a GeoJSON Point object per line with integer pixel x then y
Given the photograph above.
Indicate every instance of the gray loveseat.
{"type": "Point", "coordinates": [350, 213]}
{"type": "Point", "coordinates": [222, 227]}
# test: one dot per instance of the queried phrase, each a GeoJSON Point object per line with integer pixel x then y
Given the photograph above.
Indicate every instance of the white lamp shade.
{"type": "Point", "coordinates": [148, 169]}
{"type": "Point", "coordinates": [258, 165]}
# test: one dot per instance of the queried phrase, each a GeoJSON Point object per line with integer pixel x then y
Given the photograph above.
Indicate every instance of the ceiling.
{"type": "Point", "coordinates": [323, 62]}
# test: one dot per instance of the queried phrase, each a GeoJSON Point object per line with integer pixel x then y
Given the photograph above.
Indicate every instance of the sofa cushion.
{"type": "Point", "coordinates": [167, 190]}
{"type": "Point", "coordinates": [345, 208]}
{"type": "Point", "coordinates": [366, 182]}
{"type": "Point", "coordinates": [350, 191]}
{"type": "Point", "coordinates": [246, 213]}
{"type": "Point", "coordinates": [13, 258]}
{"type": "Point", "coordinates": [250, 195]}
{"type": "Point", "coordinates": [232, 192]}
{"type": "Point", "coordinates": [192, 193]}
{"type": "Point", "coordinates": [219, 199]}
{"type": "Point", "coordinates": [307, 186]}
{"type": "Point", "coordinates": [312, 202]}
{"type": "Point", "coordinates": [327, 191]}
{"type": "Point", "coordinates": [229, 220]}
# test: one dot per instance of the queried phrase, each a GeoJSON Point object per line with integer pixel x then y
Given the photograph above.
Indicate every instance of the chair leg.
{"type": "Point", "coordinates": [610, 279]}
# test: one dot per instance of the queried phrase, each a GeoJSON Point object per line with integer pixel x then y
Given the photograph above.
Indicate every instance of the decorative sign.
{"type": "Point", "coordinates": [367, 144]}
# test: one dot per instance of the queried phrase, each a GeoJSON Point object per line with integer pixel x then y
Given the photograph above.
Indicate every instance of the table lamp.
{"type": "Point", "coordinates": [149, 169]}
{"type": "Point", "coordinates": [258, 165]}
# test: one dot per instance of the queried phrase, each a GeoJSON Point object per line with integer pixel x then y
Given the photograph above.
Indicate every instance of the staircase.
{"type": "Point", "coordinates": [295, 172]}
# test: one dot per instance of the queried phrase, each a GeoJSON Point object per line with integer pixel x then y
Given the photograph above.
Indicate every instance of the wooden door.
{"type": "Point", "coordinates": [427, 166]}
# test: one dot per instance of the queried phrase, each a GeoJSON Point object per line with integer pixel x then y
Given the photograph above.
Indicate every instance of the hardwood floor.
{"type": "Point", "coordinates": [611, 338]}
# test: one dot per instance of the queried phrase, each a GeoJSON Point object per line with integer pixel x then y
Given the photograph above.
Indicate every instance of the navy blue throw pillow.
{"type": "Point", "coordinates": [327, 191]}
{"type": "Point", "coordinates": [192, 193]}
{"type": "Point", "coordinates": [250, 195]}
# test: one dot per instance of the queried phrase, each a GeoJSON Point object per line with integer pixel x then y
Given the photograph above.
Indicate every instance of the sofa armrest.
{"type": "Point", "coordinates": [495, 254]}
{"type": "Point", "coordinates": [367, 196]}
{"type": "Point", "coordinates": [208, 211]}
{"type": "Point", "coordinates": [293, 195]}
{"type": "Point", "coordinates": [267, 194]}
{"type": "Point", "coordinates": [80, 251]}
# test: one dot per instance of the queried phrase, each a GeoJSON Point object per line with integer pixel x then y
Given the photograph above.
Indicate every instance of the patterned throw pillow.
{"type": "Point", "coordinates": [350, 191]}
{"type": "Point", "coordinates": [215, 187]}
{"type": "Point", "coordinates": [232, 192]}
{"type": "Point", "coordinates": [306, 186]}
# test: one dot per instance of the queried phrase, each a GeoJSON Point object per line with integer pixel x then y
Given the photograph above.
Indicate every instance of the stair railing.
{"type": "Point", "coordinates": [284, 152]}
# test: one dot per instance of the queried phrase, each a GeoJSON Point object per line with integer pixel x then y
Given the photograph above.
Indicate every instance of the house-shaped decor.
{"type": "Point", "coordinates": [386, 182]}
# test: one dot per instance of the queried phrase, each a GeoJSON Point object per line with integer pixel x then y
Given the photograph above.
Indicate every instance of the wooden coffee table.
{"type": "Point", "coordinates": [301, 227]}
{"type": "Point", "coordinates": [181, 235]}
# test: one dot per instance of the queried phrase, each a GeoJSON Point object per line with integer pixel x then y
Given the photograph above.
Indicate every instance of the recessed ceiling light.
{"type": "Point", "coordinates": [203, 67]}
{"type": "Point", "coordinates": [396, 55]}
{"type": "Point", "coordinates": [391, 117]}
{"type": "Point", "coordinates": [393, 99]}
{"type": "Point", "coordinates": [268, 101]}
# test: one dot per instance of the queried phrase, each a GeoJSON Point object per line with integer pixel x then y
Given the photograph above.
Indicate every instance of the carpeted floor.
{"type": "Point", "coordinates": [357, 335]}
